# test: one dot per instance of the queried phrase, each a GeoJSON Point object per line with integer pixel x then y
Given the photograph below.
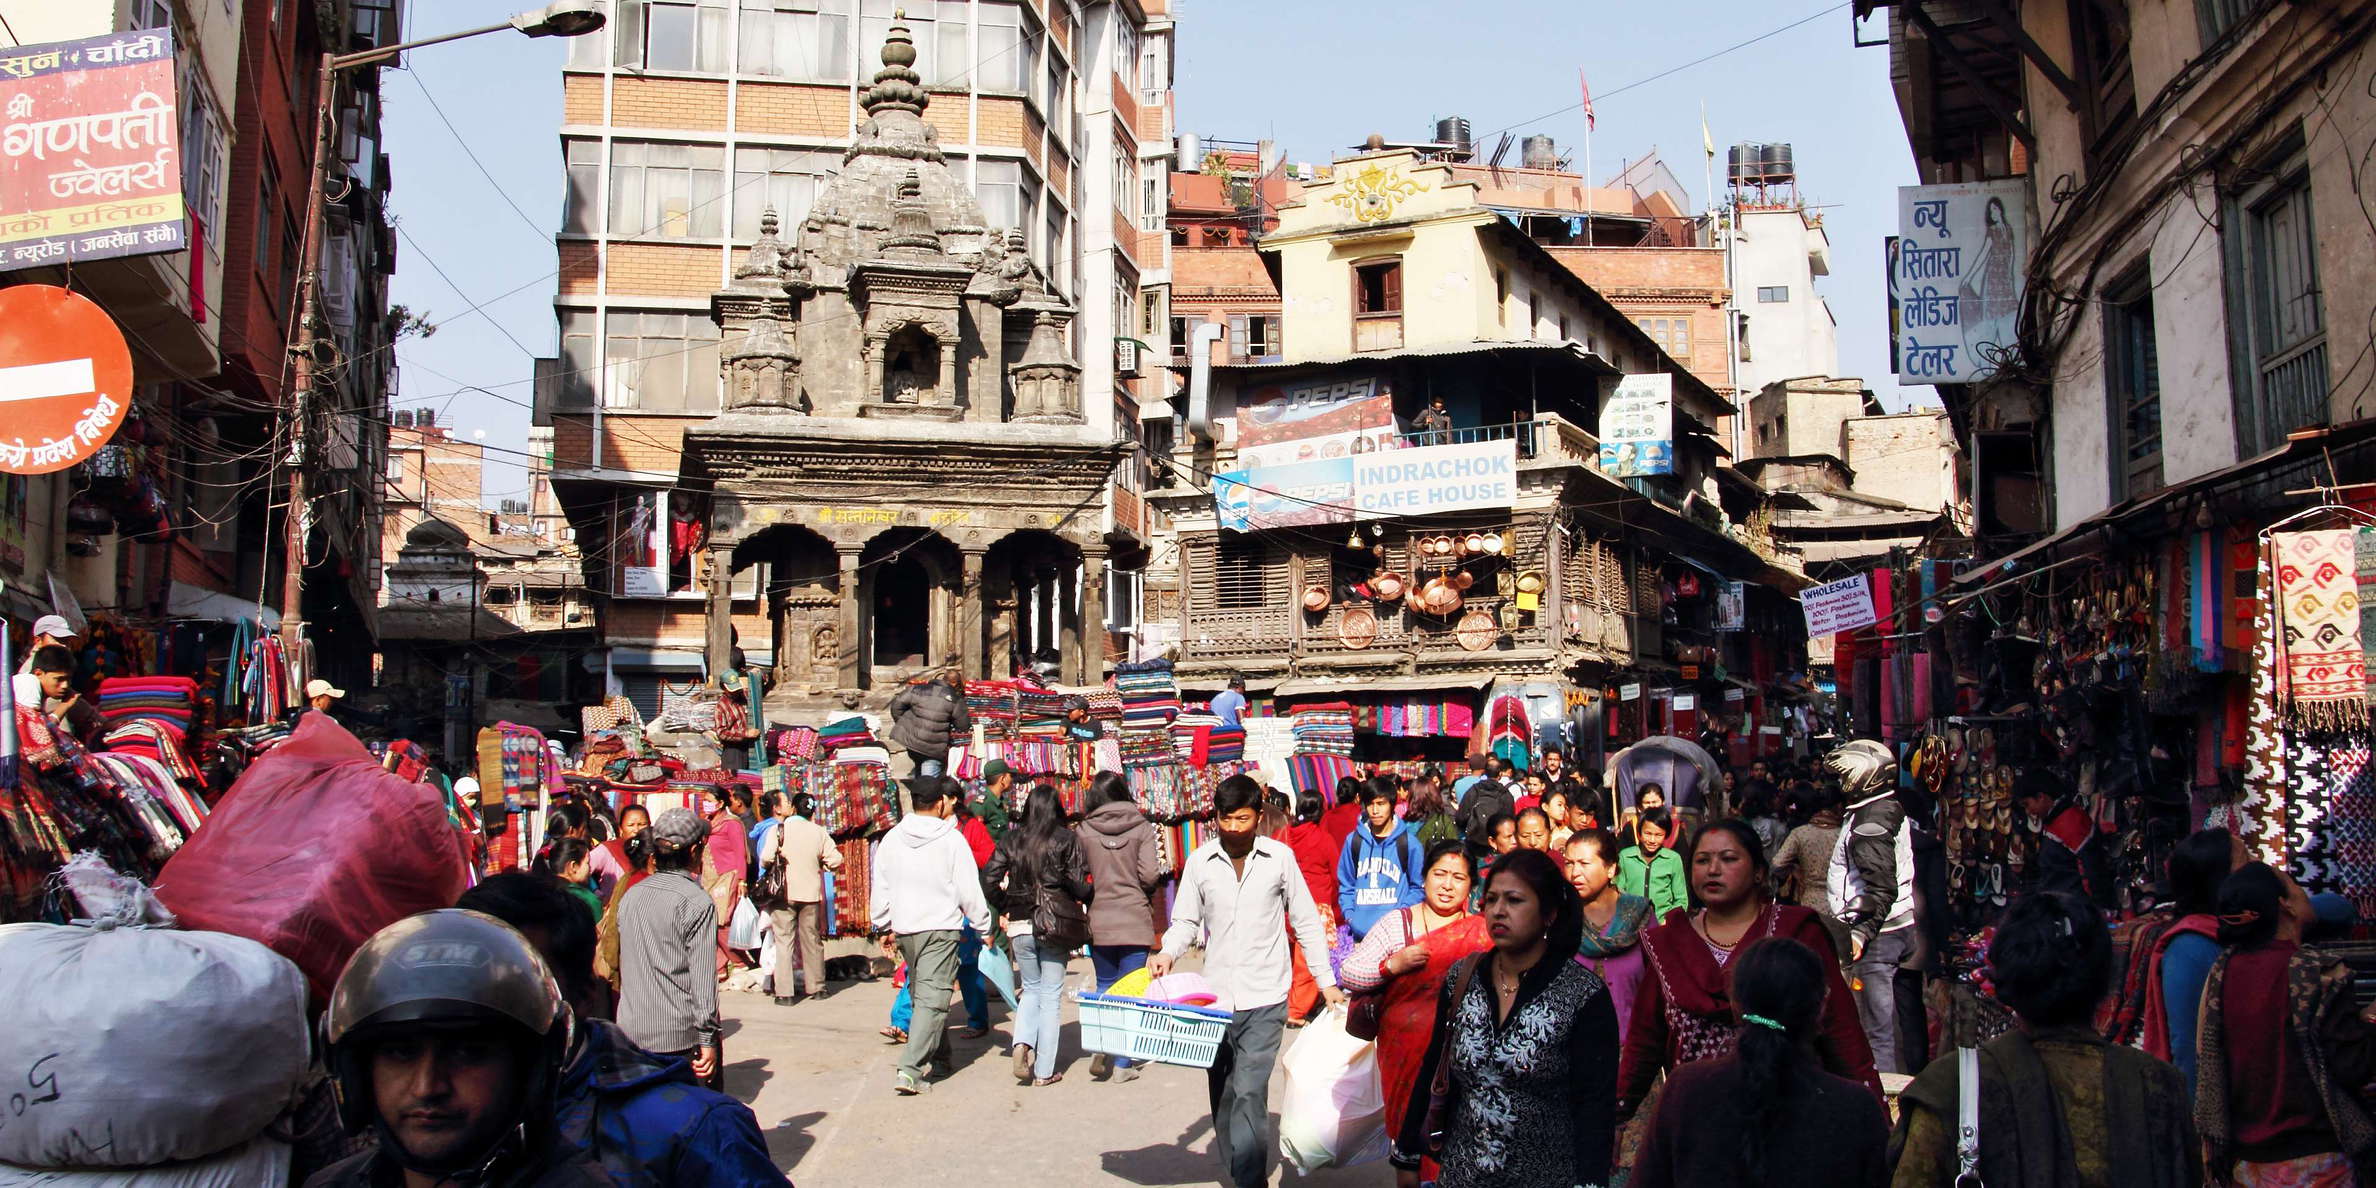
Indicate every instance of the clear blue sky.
{"type": "Point", "coordinates": [1311, 76]}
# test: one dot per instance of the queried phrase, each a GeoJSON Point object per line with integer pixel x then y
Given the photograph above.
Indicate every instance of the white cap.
{"type": "Point", "coordinates": [318, 687]}
{"type": "Point", "coordinates": [54, 626]}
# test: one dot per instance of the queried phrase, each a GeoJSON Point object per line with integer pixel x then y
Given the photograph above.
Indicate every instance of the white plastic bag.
{"type": "Point", "coordinates": [1333, 1113]}
{"type": "Point", "coordinates": [743, 931]}
{"type": "Point", "coordinates": [260, 1161]}
{"type": "Point", "coordinates": [129, 1046]}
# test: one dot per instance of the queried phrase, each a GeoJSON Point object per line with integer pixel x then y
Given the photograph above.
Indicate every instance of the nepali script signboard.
{"type": "Point", "coordinates": [1637, 427]}
{"type": "Point", "coordinates": [1834, 607]}
{"type": "Point", "coordinates": [1955, 279]}
{"type": "Point", "coordinates": [89, 162]}
{"type": "Point", "coordinates": [65, 378]}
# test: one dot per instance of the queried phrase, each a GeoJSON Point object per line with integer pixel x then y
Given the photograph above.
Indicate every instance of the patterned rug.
{"type": "Point", "coordinates": [2261, 814]}
{"type": "Point", "coordinates": [2325, 677]}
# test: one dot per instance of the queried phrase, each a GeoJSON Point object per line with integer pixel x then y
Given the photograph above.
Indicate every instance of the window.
{"type": "Point", "coordinates": [581, 360]}
{"type": "Point", "coordinates": [1059, 252]}
{"type": "Point", "coordinates": [672, 35]}
{"type": "Point", "coordinates": [1125, 180]}
{"type": "Point", "coordinates": [1563, 327]}
{"type": "Point", "coordinates": [1673, 335]}
{"type": "Point", "coordinates": [591, 51]}
{"type": "Point", "coordinates": [1253, 337]}
{"type": "Point", "coordinates": [1377, 287]}
{"type": "Point", "coordinates": [999, 184]}
{"type": "Point", "coordinates": [151, 14]}
{"type": "Point", "coordinates": [1151, 200]}
{"type": "Point", "coordinates": [1126, 51]}
{"type": "Point", "coordinates": [2100, 53]}
{"type": "Point", "coordinates": [807, 40]}
{"type": "Point", "coordinates": [2216, 17]}
{"type": "Point", "coordinates": [669, 191]}
{"type": "Point", "coordinates": [939, 31]}
{"type": "Point", "coordinates": [1056, 101]}
{"type": "Point", "coordinates": [1238, 574]}
{"type": "Point", "coordinates": [1773, 294]}
{"type": "Point", "coordinates": [267, 208]}
{"type": "Point", "coordinates": [1534, 314]}
{"type": "Point", "coordinates": [1179, 339]}
{"type": "Point", "coordinates": [2132, 391]}
{"type": "Point", "coordinates": [584, 158]}
{"type": "Point", "coordinates": [1501, 297]}
{"type": "Point", "coordinates": [202, 153]}
{"type": "Point", "coordinates": [1006, 48]}
{"type": "Point", "coordinates": [661, 362]}
{"type": "Point", "coordinates": [2286, 343]}
{"type": "Point", "coordinates": [784, 180]}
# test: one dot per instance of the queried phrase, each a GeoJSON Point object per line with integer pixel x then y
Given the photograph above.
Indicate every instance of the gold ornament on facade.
{"type": "Point", "coordinates": [1372, 194]}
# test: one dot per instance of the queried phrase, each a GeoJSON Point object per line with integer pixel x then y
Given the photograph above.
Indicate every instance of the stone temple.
{"type": "Point", "coordinates": [901, 438]}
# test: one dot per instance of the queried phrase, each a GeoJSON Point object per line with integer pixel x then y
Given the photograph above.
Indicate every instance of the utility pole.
{"type": "Point", "coordinates": [561, 18]}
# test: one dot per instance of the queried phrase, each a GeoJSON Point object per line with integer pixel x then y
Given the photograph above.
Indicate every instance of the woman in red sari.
{"type": "Point", "coordinates": [1683, 1011]}
{"type": "Point", "coordinates": [1405, 957]}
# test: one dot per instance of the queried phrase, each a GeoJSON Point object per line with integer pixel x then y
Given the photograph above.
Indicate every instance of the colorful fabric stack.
{"type": "Point", "coordinates": [1325, 729]}
{"type": "Point", "coordinates": [1507, 733]}
{"type": "Point", "coordinates": [992, 706]}
{"type": "Point", "coordinates": [1420, 718]}
{"type": "Point", "coordinates": [1317, 773]}
{"type": "Point", "coordinates": [848, 732]}
{"type": "Point", "coordinates": [1216, 744]}
{"type": "Point", "coordinates": [155, 741]}
{"type": "Point", "coordinates": [787, 744]}
{"type": "Point", "coordinates": [1039, 713]}
{"type": "Point", "coordinates": [1150, 696]}
{"type": "Point", "coordinates": [167, 701]}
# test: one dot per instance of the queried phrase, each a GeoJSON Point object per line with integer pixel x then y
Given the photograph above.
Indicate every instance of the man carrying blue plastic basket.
{"type": "Point", "coordinates": [1241, 894]}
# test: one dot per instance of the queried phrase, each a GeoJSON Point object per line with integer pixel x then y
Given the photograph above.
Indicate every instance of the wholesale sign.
{"type": "Point", "coordinates": [1637, 427]}
{"type": "Point", "coordinates": [1955, 279]}
{"type": "Point", "coordinates": [89, 165]}
{"type": "Point", "coordinates": [1834, 607]}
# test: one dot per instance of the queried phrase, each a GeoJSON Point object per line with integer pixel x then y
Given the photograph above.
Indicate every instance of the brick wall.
{"type": "Point", "coordinates": [1210, 270]}
{"type": "Point", "coordinates": [630, 440]}
{"type": "Point", "coordinates": [664, 270]}
{"type": "Point", "coordinates": [1126, 104]}
{"type": "Point", "coordinates": [1059, 169]}
{"type": "Point", "coordinates": [793, 109]}
{"type": "Point", "coordinates": [1153, 127]}
{"type": "Point", "coordinates": [668, 103]}
{"type": "Point", "coordinates": [578, 269]}
{"type": "Point", "coordinates": [951, 112]}
{"type": "Point", "coordinates": [581, 99]}
{"type": "Point", "coordinates": [1658, 268]}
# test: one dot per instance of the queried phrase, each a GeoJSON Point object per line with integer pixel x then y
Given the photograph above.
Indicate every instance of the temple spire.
{"type": "Point", "coordinates": [897, 86]}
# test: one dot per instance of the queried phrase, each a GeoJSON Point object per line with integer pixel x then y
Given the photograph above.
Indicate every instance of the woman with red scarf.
{"type": "Point", "coordinates": [1683, 1011]}
{"type": "Point", "coordinates": [1404, 958]}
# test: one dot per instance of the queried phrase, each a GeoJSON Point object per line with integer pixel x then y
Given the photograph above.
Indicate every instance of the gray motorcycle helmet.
{"type": "Point", "coordinates": [1864, 767]}
{"type": "Point", "coordinates": [445, 968]}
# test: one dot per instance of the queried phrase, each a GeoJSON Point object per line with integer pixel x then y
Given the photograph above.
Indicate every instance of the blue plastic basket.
{"type": "Point", "coordinates": [1144, 1029]}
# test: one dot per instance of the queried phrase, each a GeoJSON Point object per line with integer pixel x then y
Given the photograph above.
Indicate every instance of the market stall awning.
{"type": "Point", "coordinates": [1453, 682]}
{"type": "Point", "coordinates": [2093, 532]}
{"type": "Point", "coordinates": [185, 601]}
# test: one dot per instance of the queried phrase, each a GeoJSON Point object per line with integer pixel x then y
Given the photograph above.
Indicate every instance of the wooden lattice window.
{"type": "Point", "coordinates": [1241, 566]}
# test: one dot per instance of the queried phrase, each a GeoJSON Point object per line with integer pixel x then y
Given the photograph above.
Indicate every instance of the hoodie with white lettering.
{"type": "Point", "coordinates": [1377, 876]}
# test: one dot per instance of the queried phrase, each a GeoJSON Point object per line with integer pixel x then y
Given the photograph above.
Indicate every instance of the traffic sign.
{"type": "Point", "coordinates": [65, 378]}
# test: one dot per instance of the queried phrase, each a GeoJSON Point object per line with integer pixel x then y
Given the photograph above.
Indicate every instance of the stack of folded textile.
{"type": "Point", "coordinates": [790, 743]}
{"type": "Point", "coordinates": [168, 701]}
{"type": "Point", "coordinates": [991, 704]}
{"type": "Point", "coordinates": [1323, 729]}
{"type": "Point", "coordinates": [1217, 744]}
{"type": "Point", "coordinates": [848, 732]}
{"type": "Point", "coordinates": [1039, 713]}
{"type": "Point", "coordinates": [144, 736]}
{"type": "Point", "coordinates": [1184, 728]}
{"type": "Point", "coordinates": [1150, 697]}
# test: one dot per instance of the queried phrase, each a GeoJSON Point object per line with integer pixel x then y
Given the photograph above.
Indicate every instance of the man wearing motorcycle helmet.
{"type": "Point", "coordinates": [446, 1034]}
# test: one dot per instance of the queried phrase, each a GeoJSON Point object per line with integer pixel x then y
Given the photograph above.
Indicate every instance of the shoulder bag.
{"type": "Point", "coordinates": [1439, 1091]}
{"type": "Point", "coordinates": [769, 894]}
{"type": "Point", "coordinates": [1057, 919]}
{"type": "Point", "coordinates": [1365, 1010]}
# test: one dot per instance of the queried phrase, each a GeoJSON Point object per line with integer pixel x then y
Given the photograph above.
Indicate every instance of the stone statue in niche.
{"type": "Point", "coordinates": [906, 376]}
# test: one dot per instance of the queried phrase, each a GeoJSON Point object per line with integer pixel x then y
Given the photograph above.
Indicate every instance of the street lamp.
{"type": "Point", "coordinates": [562, 18]}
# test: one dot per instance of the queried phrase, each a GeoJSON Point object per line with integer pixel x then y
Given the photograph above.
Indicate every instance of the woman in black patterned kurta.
{"type": "Point", "coordinates": [1531, 1047]}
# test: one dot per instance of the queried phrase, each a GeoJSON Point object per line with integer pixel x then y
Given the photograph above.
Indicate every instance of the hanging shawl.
{"type": "Point", "coordinates": [1634, 913]}
{"type": "Point", "coordinates": [2322, 673]}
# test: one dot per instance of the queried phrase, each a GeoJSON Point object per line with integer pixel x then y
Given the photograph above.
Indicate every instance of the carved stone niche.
{"type": "Point", "coordinates": [1047, 383]}
{"type": "Point", "coordinates": [911, 366]}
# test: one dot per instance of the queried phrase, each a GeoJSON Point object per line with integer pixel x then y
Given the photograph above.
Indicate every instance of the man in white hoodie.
{"type": "Point", "coordinates": [925, 885]}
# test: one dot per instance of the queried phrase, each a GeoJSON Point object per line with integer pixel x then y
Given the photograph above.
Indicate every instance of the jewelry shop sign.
{"type": "Point", "coordinates": [90, 165]}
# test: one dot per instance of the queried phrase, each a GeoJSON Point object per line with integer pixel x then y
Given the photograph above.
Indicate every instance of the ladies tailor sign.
{"type": "Point", "coordinates": [1955, 279]}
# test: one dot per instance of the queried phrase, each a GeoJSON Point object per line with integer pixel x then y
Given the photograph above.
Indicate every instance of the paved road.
{"type": "Point", "coordinates": [819, 1079]}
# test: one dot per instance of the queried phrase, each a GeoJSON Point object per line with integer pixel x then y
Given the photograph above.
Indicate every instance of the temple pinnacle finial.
{"type": "Point", "coordinates": [897, 86]}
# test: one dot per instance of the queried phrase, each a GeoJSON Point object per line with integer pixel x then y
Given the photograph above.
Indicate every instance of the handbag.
{"type": "Point", "coordinates": [1439, 1090]}
{"type": "Point", "coordinates": [1058, 920]}
{"type": "Point", "coordinates": [768, 893]}
{"type": "Point", "coordinates": [1365, 1011]}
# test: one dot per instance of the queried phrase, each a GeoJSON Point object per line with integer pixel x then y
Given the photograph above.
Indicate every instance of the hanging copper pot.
{"type": "Point", "coordinates": [1462, 580]}
{"type": "Point", "coordinates": [1442, 600]}
{"type": "Point", "coordinates": [1494, 543]}
{"type": "Point", "coordinates": [1315, 598]}
{"type": "Point", "coordinates": [1473, 544]}
{"type": "Point", "coordinates": [1530, 582]}
{"type": "Point", "coordinates": [1413, 602]}
{"type": "Point", "coordinates": [1443, 546]}
{"type": "Point", "coordinates": [1389, 585]}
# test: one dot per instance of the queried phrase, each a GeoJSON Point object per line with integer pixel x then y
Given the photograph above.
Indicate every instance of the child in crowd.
{"type": "Point", "coordinates": [1651, 870]}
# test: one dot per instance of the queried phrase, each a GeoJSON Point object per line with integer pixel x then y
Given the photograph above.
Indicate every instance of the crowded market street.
{"type": "Point", "coordinates": [1066, 592]}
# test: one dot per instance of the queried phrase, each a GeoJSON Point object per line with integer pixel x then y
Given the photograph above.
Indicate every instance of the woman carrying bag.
{"type": "Point", "coordinates": [1396, 975]}
{"type": "Point", "coordinates": [1039, 883]}
{"type": "Point", "coordinates": [1126, 867]}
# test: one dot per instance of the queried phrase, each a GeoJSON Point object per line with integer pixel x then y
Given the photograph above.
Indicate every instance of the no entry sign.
{"type": "Point", "coordinates": [65, 378]}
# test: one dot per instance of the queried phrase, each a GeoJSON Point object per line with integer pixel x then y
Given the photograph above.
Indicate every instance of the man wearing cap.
{"type": "Point", "coordinates": [48, 630]}
{"type": "Point", "coordinates": [321, 694]}
{"type": "Point", "coordinates": [668, 937]}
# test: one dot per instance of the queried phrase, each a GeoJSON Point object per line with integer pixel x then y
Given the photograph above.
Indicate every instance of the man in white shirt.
{"type": "Point", "coordinates": [925, 885]}
{"type": "Point", "coordinates": [1233, 893]}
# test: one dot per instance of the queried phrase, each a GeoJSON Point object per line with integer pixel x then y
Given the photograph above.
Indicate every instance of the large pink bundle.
{"type": "Point", "coordinates": [314, 849]}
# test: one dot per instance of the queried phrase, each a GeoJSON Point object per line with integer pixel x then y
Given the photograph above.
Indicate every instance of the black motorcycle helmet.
{"type": "Point", "coordinates": [449, 968]}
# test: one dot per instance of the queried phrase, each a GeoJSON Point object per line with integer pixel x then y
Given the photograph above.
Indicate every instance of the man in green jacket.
{"type": "Point", "coordinates": [1651, 870]}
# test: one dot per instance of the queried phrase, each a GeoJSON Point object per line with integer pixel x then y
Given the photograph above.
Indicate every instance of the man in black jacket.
{"type": "Point", "coordinates": [1487, 798]}
{"type": "Point", "coordinates": [927, 718]}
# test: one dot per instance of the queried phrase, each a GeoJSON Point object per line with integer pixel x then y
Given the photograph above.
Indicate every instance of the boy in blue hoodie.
{"type": "Point", "coordinates": [1379, 873]}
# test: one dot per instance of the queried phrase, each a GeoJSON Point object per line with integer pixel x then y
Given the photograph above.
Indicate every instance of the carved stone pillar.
{"type": "Point", "coordinates": [849, 641]}
{"type": "Point", "coordinates": [1091, 637]}
{"type": "Point", "coordinates": [718, 628]}
{"type": "Point", "coordinates": [971, 640]}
